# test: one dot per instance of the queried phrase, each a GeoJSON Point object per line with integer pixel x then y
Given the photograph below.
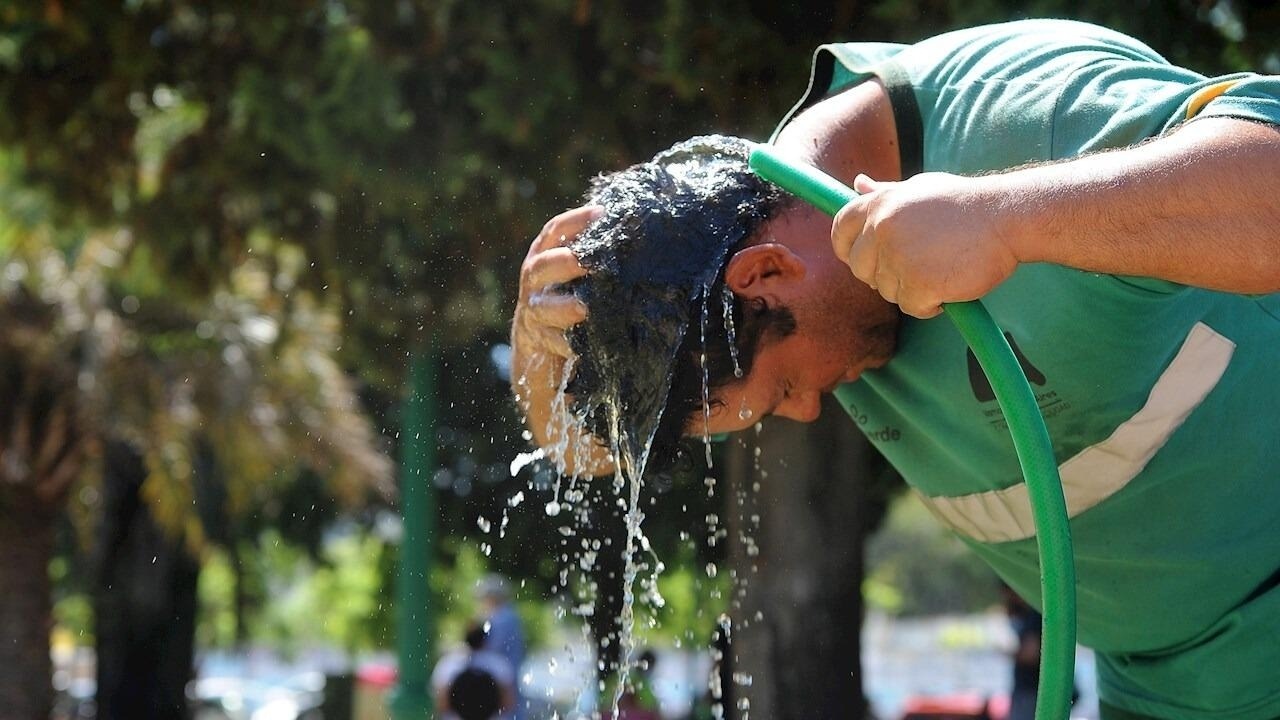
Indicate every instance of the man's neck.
{"type": "Point", "coordinates": [849, 133]}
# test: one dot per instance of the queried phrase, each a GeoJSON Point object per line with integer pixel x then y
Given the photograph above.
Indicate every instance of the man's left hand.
{"type": "Point", "coordinates": [931, 239]}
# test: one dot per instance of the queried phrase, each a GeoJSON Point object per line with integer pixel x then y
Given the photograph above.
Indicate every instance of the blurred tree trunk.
{"type": "Point", "coordinates": [41, 452]}
{"type": "Point", "coordinates": [145, 602]}
{"type": "Point", "coordinates": [818, 492]}
{"type": "Point", "coordinates": [240, 598]}
{"type": "Point", "coordinates": [26, 546]}
{"type": "Point", "coordinates": [608, 526]}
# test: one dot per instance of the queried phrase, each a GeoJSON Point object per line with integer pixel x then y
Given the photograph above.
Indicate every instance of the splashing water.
{"type": "Point", "coordinates": [706, 382]}
{"type": "Point", "coordinates": [724, 626]}
{"type": "Point", "coordinates": [525, 459]}
{"type": "Point", "coordinates": [726, 303]}
{"type": "Point", "coordinates": [650, 271]}
{"type": "Point", "coordinates": [655, 259]}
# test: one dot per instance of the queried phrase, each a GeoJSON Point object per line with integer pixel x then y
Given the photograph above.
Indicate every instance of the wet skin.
{"type": "Point", "coordinates": [842, 326]}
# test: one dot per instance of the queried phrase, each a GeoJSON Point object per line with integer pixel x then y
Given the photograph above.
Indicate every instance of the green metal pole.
{"type": "Point", "coordinates": [412, 699]}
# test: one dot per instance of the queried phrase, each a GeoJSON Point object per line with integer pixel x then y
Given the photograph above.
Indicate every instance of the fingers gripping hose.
{"type": "Point", "coordinates": [1030, 441]}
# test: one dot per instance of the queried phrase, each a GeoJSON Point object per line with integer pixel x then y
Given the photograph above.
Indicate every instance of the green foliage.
{"type": "Point", "coordinates": [349, 175]}
{"type": "Point", "coordinates": [216, 625]}
{"type": "Point", "coordinates": [410, 149]}
{"type": "Point", "coordinates": [333, 601]}
{"type": "Point", "coordinates": [694, 601]}
{"type": "Point", "coordinates": [72, 610]}
{"type": "Point", "coordinates": [915, 567]}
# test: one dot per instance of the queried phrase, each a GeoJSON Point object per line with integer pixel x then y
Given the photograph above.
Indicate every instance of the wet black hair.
{"type": "Point", "coordinates": [656, 296]}
{"type": "Point", "coordinates": [474, 694]}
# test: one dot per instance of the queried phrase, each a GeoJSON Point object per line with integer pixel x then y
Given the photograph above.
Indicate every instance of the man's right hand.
{"type": "Point", "coordinates": [539, 347]}
{"type": "Point", "coordinates": [543, 314]}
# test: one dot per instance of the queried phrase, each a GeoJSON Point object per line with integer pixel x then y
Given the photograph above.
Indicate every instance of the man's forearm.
{"type": "Point", "coordinates": [1199, 207]}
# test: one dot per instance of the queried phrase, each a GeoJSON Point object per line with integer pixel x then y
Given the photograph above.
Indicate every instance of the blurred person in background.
{"type": "Point", "coordinates": [472, 683]}
{"type": "Point", "coordinates": [505, 632]}
{"type": "Point", "coordinates": [1025, 622]}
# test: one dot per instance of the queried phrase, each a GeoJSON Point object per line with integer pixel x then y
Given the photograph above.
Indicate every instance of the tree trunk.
{"type": "Point", "coordinates": [145, 603]}
{"type": "Point", "coordinates": [818, 492]}
{"type": "Point", "coordinates": [240, 593]}
{"type": "Point", "coordinates": [26, 546]}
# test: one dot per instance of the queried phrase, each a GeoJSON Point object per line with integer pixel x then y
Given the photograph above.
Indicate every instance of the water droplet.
{"type": "Point", "coordinates": [726, 303]}
{"type": "Point", "coordinates": [706, 381]}
{"type": "Point", "coordinates": [552, 508]}
{"type": "Point", "coordinates": [526, 458]}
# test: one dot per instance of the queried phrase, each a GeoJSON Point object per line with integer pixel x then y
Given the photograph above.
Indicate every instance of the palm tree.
{"type": "Point", "coordinates": [45, 325]}
{"type": "Point", "coordinates": [248, 373]}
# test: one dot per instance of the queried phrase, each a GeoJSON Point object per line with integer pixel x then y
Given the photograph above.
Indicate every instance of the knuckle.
{"type": "Point", "coordinates": [889, 211]}
{"type": "Point", "coordinates": [529, 272]}
{"type": "Point", "coordinates": [548, 228]}
{"type": "Point", "coordinates": [863, 260]}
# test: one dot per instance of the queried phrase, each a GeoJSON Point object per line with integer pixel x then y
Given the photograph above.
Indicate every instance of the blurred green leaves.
{"type": "Point", "coordinates": [333, 600]}
{"type": "Point", "coordinates": [253, 202]}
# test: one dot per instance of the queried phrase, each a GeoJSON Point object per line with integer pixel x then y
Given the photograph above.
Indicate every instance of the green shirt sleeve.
{"type": "Point", "coordinates": [999, 96]}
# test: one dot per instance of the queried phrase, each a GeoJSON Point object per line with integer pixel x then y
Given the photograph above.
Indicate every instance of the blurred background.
{"type": "Point", "coordinates": [258, 457]}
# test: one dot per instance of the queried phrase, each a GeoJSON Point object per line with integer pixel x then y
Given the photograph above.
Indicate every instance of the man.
{"type": "Point", "coordinates": [505, 632]}
{"type": "Point", "coordinates": [472, 682]}
{"type": "Point", "coordinates": [1026, 624]}
{"type": "Point", "coordinates": [1133, 286]}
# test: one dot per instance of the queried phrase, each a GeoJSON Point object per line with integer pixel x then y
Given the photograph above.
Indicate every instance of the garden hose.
{"type": "Point", "coordinates": [1030, 441]}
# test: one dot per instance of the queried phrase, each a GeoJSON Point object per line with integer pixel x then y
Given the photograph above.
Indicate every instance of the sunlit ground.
{"type": "Point", "coordinates": [955, 655]}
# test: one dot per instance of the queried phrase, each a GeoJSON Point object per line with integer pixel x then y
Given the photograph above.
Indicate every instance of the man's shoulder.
{"type": "Point", "coordinates": [448, 667]}
{"type": "Point", "coordinates": [1056, 33]}
{"type": "Point", "coordinates": [1059, 34]}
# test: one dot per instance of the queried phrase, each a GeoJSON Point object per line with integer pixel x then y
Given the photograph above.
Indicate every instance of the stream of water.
{"type": "Point", "coordinates": [644, 298]}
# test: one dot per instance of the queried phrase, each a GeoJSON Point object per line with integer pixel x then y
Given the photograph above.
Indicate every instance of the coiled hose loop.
{"type": "Point", "coordinates": [1030, 441]}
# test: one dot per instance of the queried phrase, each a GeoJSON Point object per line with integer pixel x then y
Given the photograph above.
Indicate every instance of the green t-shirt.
{"type": "Point", "coordinates": [1161, 400]}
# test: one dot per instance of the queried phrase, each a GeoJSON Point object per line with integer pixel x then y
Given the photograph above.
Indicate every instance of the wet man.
{"type": "Point", "coordinates": [1120, 218]}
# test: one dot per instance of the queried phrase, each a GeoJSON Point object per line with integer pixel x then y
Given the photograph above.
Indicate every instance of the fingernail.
{"type": "Point", "coordinates": [596, 212]}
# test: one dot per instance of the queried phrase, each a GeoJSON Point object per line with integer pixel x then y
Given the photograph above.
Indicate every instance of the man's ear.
{"type": "Point", "coordinates": [757, 269]}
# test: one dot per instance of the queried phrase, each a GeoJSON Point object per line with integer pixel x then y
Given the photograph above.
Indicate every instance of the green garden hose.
{"type": "Point", "coordinates": [1030, 441]}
